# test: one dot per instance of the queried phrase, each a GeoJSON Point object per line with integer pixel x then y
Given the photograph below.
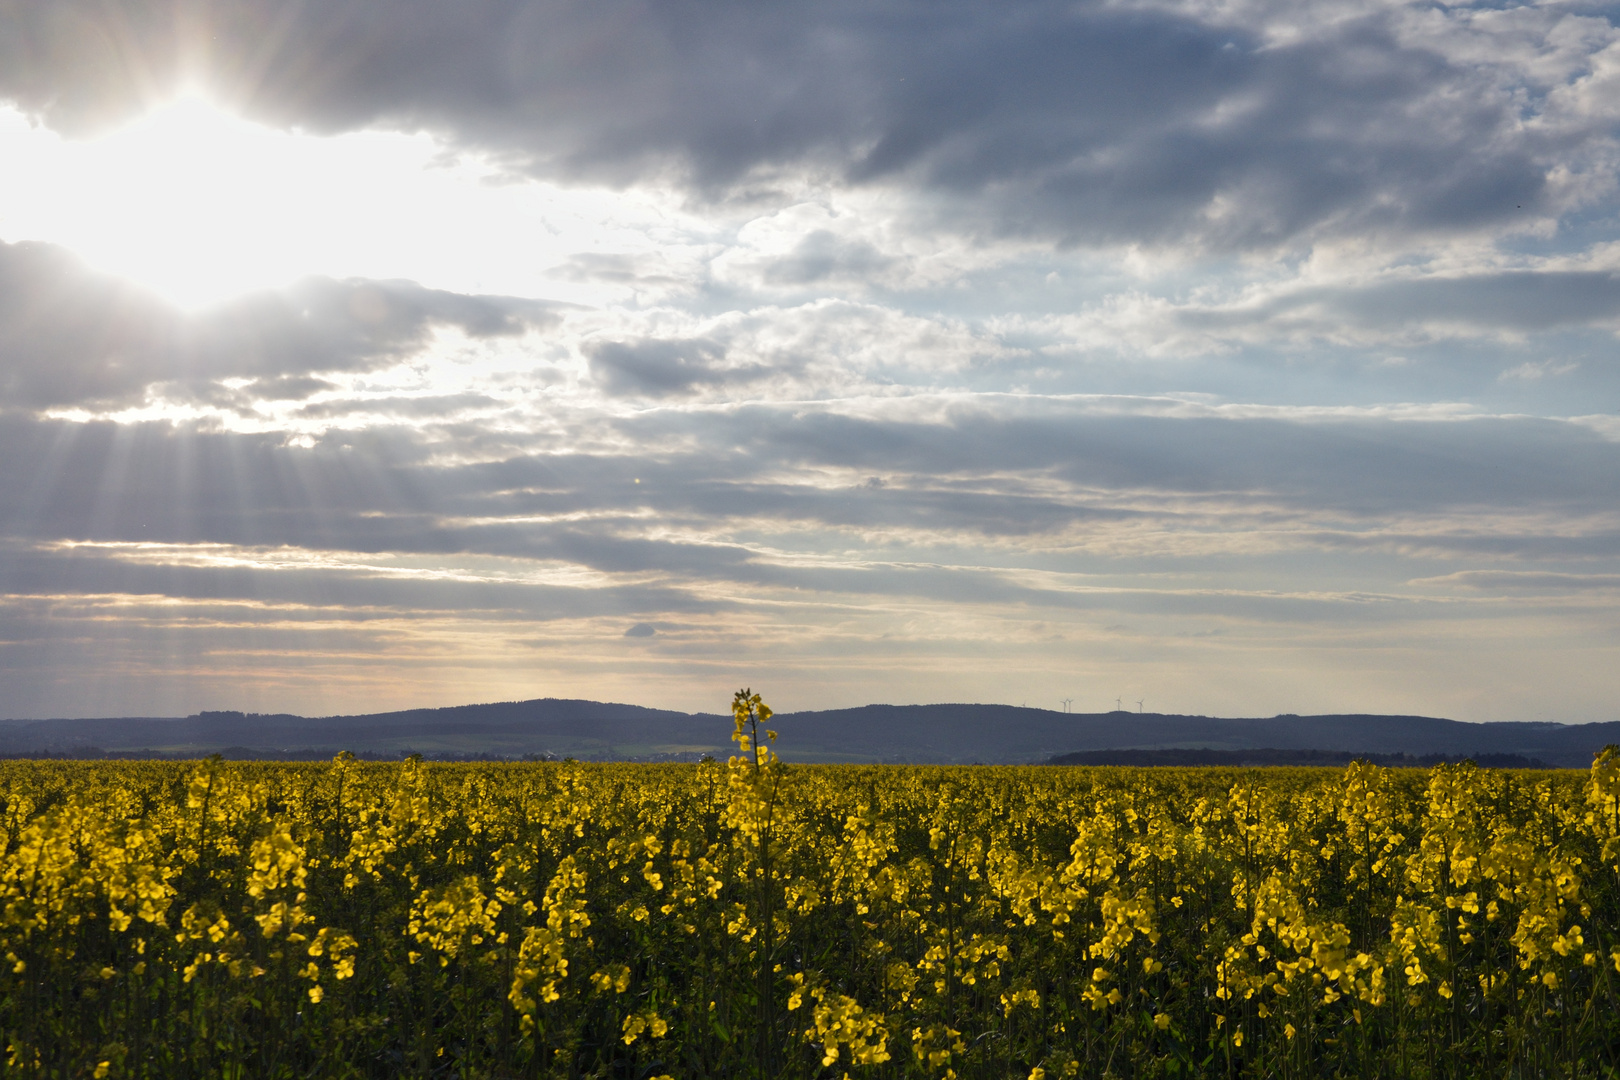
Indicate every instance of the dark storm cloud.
{"type": "Point", "coordinates": [71, 336]}
{"type": "Point", "coordinates": [1083, 122]}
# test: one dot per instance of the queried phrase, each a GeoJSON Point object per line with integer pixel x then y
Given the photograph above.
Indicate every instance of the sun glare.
{"type": "Point", "coordinates": [187, 200]}
{"type": "Point", "coordinates": [200, 205]}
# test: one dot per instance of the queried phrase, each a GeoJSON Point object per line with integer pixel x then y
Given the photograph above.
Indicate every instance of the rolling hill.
{"type": "Point", "coordinates": [960, 733]}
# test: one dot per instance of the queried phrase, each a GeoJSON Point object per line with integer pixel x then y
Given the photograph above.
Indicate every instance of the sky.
{"type": "Point", "coordinates": [1235, 357]}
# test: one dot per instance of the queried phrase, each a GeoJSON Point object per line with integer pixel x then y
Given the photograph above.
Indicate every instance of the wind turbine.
{"type": "Point", "coordinates": [1067, 702]}
{"type": "Point", "coordinates": [1119, 706]}
{"type": "Point", "coordinates": [1139, 705]}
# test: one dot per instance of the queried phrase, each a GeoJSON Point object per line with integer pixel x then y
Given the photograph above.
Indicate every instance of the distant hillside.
{"type": "Point", "coordinates": [1271, 757]}
{"type": "Point", "coordinates": [592, 730]}
{"type": "Point", "coordinates": [1001, 733]}
{"type": "Point", "coordinates": [549, 726]}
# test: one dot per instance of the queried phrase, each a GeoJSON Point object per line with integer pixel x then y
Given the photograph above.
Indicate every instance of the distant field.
{"type": "Point", "coordinates": [349, 919]}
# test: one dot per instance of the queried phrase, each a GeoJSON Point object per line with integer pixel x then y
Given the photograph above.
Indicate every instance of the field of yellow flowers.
{"type": "Point", "coordinates": [750, 919]}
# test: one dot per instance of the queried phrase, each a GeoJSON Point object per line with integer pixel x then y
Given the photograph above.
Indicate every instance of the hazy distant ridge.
{"type": "Point", "coordinates": [919, 733]}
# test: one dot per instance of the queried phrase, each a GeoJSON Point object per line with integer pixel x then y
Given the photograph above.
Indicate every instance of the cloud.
{"type": "Point", "coordinates": [655, 368]}
{"type": "Point", "coordinates": [1360, 309]}
{"type": "Point", "coordinates": [1230, 126]}
{"type": "Point", "coordinates": [1530, 370]}
{"type": "Point", "coordinates": [821, 256]}
{"type": "Point", "coordinates": [1536, 581]}
{"type": "Point", "coordinates": [719, 492]}
{"type": "Point", "coordinates": [758, 530]}
{"type": "Point", "coordinates": [288, 387]}
{"type": "Point", "coordinates": [1520, 301]}
{"type": "Point", "coordinates": [947, 347]}
{"type": "Point", "coordinates": [70, 336]}
{"type": "Point", "coordinates": [644, 271]}
{"type": "Point", "coordinates": [1504, 304]}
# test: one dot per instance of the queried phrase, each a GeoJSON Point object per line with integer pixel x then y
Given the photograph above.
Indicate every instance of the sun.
{"type": "Point", "coordinates": [200, 204]}
{"type": "Point", "coordinates": [188, 200]}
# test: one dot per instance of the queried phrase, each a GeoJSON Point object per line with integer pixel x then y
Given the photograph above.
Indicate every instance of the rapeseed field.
{"type": "Point", "coordinates": [755, 919]}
